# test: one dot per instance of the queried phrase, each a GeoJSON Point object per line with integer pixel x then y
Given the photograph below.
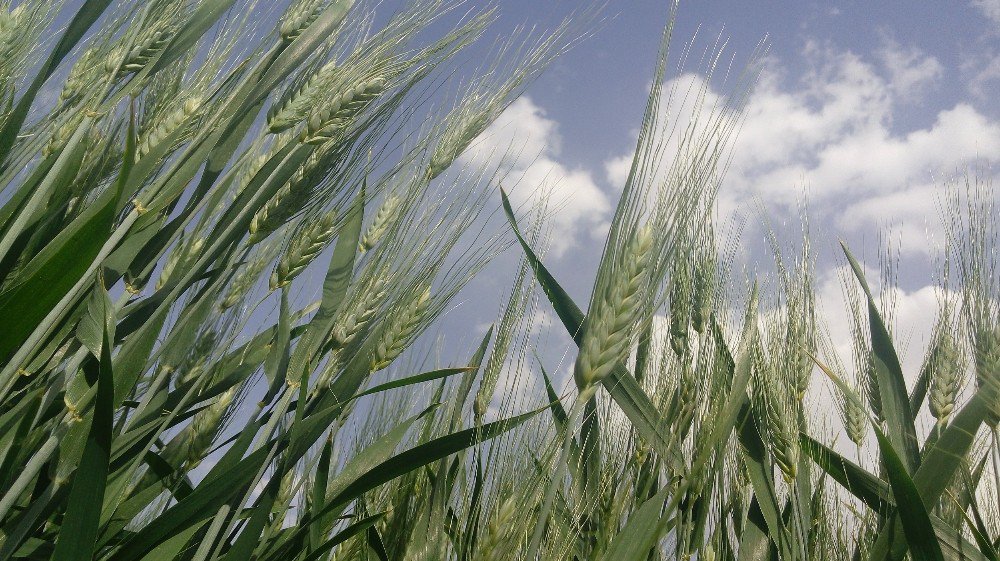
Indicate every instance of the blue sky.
{"type": "Point", "coordinates": [863, 108]}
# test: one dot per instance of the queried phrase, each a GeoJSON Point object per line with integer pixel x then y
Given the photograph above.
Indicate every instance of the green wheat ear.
{"type": "Point", "coordinates": [610, 327]}
{"type": "Point", "coordinates": [305, 246]}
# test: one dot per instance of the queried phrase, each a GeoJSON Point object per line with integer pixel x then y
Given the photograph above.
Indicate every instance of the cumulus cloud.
{"type": "Point", "coordinates": [525, 142]}
{"type": "Point", "coordinates": [831, 134]}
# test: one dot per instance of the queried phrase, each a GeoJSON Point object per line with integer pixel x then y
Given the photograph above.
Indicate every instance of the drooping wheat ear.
{"type": "Point", "coordinates": [680, 304]}
{"type": "Point", "coordinates": [944, 369]}
{"type": "Point", "coordinates": [242, 284]}
{"type": "Point", "coordinates": [173, 121]}
{"type": "Point", "coordinates": [384, 217]}
{"type": "Point", "coordinates": [289, 200]}
{"type": "Point", "coordinates": [62, 133]}
{"type": "Point", "coordinates": [705, 274]}
{"type": "Point", "coordinates": [147, 46]}
{"type": "Point", "coordinates": [194, 364]}
{"type": "Point", "coordinates": [455, 140]}
{"type": "Point", "coordinates": [295, 107]}
{"type": "Point", "coordinates": [182, 253]}
{"type": "Point", "coordinates": [81, 75]}
{"type": "Point", "coordinates": [330, 121]}
{"type": "Point", "coordinates": [205, 426]}
{"type": "Point", "coordinates": [359, 314]}
{"type": "Point", "coordinates": [397, 335]}
{"type": "Point", "coordinates": [304, 247]}
{"type": "Point", "coordinates": [610, 328]}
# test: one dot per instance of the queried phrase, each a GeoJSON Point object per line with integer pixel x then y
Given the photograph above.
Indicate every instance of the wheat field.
{"type": "Point", "coordinates": [227, 241]}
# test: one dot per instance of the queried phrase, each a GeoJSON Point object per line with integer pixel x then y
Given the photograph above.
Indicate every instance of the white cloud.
{"type": "Point", "coordinates": [911, 71]}
{"type": "Point", "coordinates": [832, 135]}
{"type": "Point", "coordinates": [828, 134]}
{"type": "Point", "coordinates": [528, 143]}
{"type": "Point", "coordinates": [989, 8]}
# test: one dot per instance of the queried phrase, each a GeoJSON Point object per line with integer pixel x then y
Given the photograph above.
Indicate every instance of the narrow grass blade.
{"type": "Point", "coordinates": [871, 490]}
{"type": "Point", "coordinates": [348, 532]}
{"type": "Point", "coordinates": [912, 511]}
{"type": "Point", "coordinates": [78, 533]}
{"type": "Point", "coordinates": [416, 379]}
{"type": "Point", "coordinates": [642, 530]}
{"type": "Point", "coordinates": [889, 375]}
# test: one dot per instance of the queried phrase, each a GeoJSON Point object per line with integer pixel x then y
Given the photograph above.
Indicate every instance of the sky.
{"type": "Point", "coordinates": [863, 111]}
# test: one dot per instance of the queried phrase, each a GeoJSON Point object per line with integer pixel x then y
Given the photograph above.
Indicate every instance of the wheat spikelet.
{"type": "Point", "coordinates": [62, 133]}
{"type": "Point", "coordinates": [776, 411]}
{"type": "Point", "coordinates": [381, 223]}
{"type": "Point", "coordinates": [303, 13]}
{"type": "Point", "coordinates": [80, 76]}
{"type": "Point", "coordinates": [987, 346]}
{"type": "Point", "coordinates": [782, 435]}
{"type": "Point", "coordinates": [289, 199]}
{"type": "Point", "coordinates": [194, 366]}
{"type": "Point", "coordinates": [180, 255]}
{"type": "Point", "coordinates": [944, 369]}
{"type": "Point", "coordinates": [147, 46]}
{"type": "Point", "coordinates": [498, 527]}
{"type": "Point", "coordinates": [204, 426]}
{"type": "Point", "coordinates": [242, 284]}
{"type": "Point", "coordinates": [329, 122]}
{"type": "Point", "coordinates": [455, 140]}
{"type": "Point", "coordinates": [801, 348]}
{"type": "Point", "coordinates": [305, 246]}
{"type": "Point", "coordinates": [855, 420]}
{"type": "Point", "coordinates": [293, 110]}
{"type": "Point", "coordinates": [11, 23]}
{"type": "Point", "coordinates": [687, 398]}
{"type": "Point", "coordinates": [168, 125]}
{"type": "Point", "coordinates": [397, 334]}
{"type": "Point", "coordinates": [357, 317]}
{"type": "Point", "coordinates": [609, 329]}
{"type": "Point", "coordinates": [704, 290]}
{"type": "Point", "coordinates": [287, 488]}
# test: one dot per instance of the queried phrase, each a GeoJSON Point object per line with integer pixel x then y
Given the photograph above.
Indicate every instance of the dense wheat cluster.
{"type": "Point", "coordinates": [226, 240]}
